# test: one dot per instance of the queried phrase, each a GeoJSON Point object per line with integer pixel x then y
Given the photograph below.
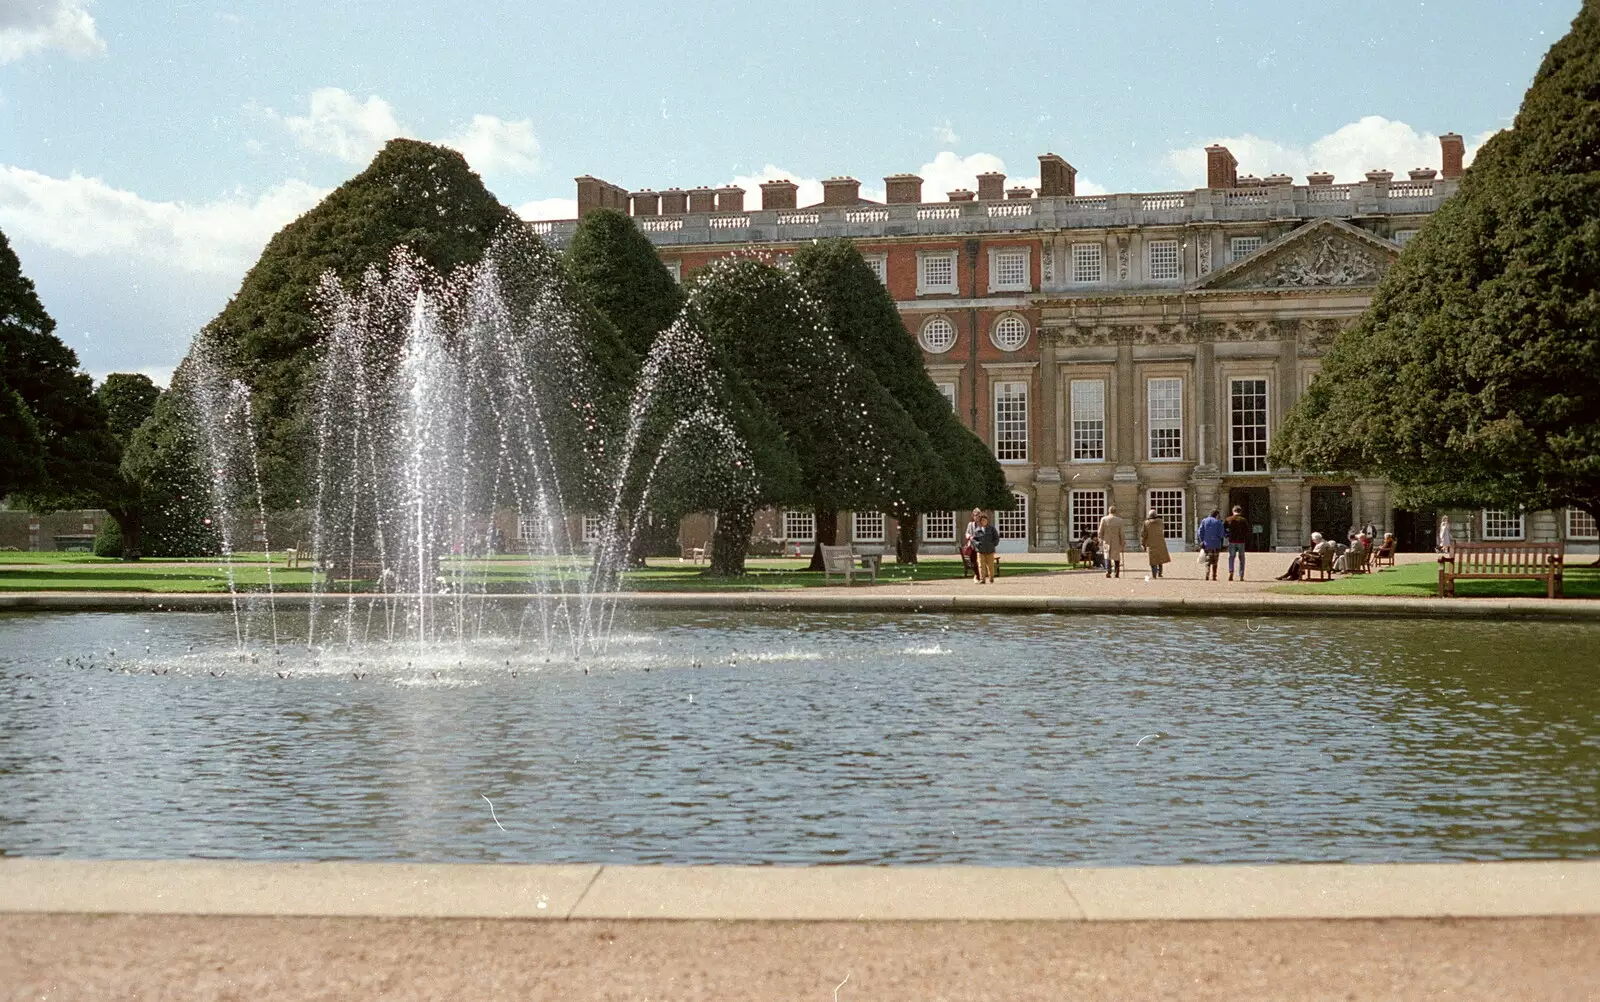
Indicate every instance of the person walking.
{"type": "Point", "coordinates": [985, 540]}
{"type": "Point", "coordinates": [969, 556]}
{"type": "Point", "coordinates": [1111, 542]}
{"type": "Point", "coordinates": [1238, 529]}
{"type": "Point", "coordinates": [1213, 537]}
{"type": "Point", "coordinates": [1153, 537]}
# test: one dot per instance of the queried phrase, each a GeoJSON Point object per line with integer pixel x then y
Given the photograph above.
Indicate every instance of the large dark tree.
{"type": "Point", "coordinates": [775, 340]}
{"type": "Point", "coordinates": [127, 400]}
{"type": "Point", "coordinates": [1471, 380]}
{"type": "Point", "coordinates": [58, 423]}
{"type": "Point", "coordinates": [943, 465]}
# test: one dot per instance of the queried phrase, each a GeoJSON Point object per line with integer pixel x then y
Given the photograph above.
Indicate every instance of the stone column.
{"type": "Point", "coordinates": [1047, 459]}
{"type": "Point", "coordinates": [1287, 504]}
{"type": "Point", "coordinates": [1125, 481]}
{"type": "Point", "coordinates": [1372, 504]}
{"type": "Point", "coordinates": [1207, 454]}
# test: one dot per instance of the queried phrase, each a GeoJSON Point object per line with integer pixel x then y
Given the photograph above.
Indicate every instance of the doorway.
{"type": "Point", "coordinates": [1414, 530]}
{"type": "Point", "coordinates": [1256, 504]}
{"type": "Point", "coordinates": [1331, 512]}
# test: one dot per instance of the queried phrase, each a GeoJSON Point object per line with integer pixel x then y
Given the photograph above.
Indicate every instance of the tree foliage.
{"type": "Point", "coordinates": [1471, 379]}
{"type": "Point", "coordinates": [617, 268]}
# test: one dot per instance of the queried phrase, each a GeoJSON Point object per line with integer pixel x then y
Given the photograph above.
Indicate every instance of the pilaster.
{"type": "Point", "coordinates": [1288, 502]}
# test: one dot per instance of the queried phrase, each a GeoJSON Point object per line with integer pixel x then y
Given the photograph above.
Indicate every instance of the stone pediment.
{"type": "Point", "coordinates": [1326, 253]}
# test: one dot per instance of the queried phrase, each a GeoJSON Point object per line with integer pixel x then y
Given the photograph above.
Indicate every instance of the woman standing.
{"type": "Point", "coordinates": [1444, 539]}
{"type": "Point", "coordinates": [1153, 537]}
{"type": "Point", "coordinates": [969, 556]}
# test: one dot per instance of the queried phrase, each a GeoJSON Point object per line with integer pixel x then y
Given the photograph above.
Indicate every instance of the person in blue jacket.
{"type": "Point", "coordinates": [1213, 537]}
{"type": "Point", "coordinates": [986, 540]}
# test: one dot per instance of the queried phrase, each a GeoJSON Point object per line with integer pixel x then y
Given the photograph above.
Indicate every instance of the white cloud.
{"type": "Point", "coordinates": [344, 126]}
{"type": "Point", "coordinates": [1373, 143]}
{"type": "Point", "coordinates": [946, 134]}
{"type": "Point", "coordinates": [494, 146]}
{"type": "Point", "coordinates": [941, 175]}
{"type": "Point", "coordinates": [30, 26]}
{"type": "Point", "coordinates": [84, 217]}
{"type": "Point", "coordinates": [549, 208]}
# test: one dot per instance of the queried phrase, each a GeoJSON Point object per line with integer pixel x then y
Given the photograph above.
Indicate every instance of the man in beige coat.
{"type": "Point", "coordinates": [1111, 541]}
{"type": "Point", "coordinates": [1153, 537]}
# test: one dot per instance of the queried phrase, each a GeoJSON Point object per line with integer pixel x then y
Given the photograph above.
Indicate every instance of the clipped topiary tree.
{"type": "Point", "coordinates": [1471, 380]}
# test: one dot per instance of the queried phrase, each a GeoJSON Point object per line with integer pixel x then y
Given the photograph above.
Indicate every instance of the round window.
{"type": "Point", "coordinates": [1010, 332]}
{"type": "Point", "coordinates": [938, 335]}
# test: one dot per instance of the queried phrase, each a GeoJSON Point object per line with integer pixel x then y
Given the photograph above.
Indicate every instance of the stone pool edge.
{"type": "Point", "coordinates": [1515, 889]}
{"type": "Point", "coordinates": [1252, 605]}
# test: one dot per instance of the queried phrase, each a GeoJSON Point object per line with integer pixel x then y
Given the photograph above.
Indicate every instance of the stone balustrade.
{"type": "Point", "coordinates": [1255, 203]}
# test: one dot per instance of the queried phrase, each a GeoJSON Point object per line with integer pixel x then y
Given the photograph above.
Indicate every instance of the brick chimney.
{"type": "Point", "coordinates": [1422, 173]}
{"type": "Point", "coordinates": [1056, 177]}
{"type": "Point", "coordinates": [961, 195]}
{"type": "Point", "coordinates": [1019, 192]}
{"type": "Point", "coordinates": [991, 186]}
{"type": "Point", "coordinates": [702, 200]}
{"type": "Point", "coordinates": [779, 195]}
{"type": "Point", "coordinates": [646, 203]}
{"type": "Point", "coordinates": [1453, 151]}
{"type": "Point", "coordinates": [674, 202]}
{"type": "Point", "coordinates": [902, 189]}
{"type": "Point", "coordinates": [1320, 178]}
{"type": "Point", "coordinates": [841, 191]}
{"type": "Point", "coordinates": [1222, 169]}
{"type": "Point", "coordinates": [730, 199]}
{"type": "Point", "coordinates": [594, 193]}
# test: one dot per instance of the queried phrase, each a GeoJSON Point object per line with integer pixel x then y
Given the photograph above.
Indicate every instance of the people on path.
{"type": "Point", "coordinates": [1238, 529]}
{"type": "Point", "coordinates": [1213, 537]}
{"type": "Point", "coordinates": [1153, 537]}
{"type": "Point", "coordinates": [1112, 543]}
{"type": "Point", "coordinates": [1444, 541]}
{"type": "Point", "coordinates": [985, 540]}
{"type": "Point", "coordinates": [969, 556]}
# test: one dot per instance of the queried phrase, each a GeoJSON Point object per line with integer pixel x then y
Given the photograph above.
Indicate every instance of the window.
{"type": "Point", "coordinates": [866, 526]}
{"type": "Point", "coordinates": [949, 391]}
{"type": "Point", "coordinates": [938, 335]}
{"type": "Point", "coordinates": [799, 526]}
{"type": "Point", "coordinates": [1169, 505]}
{"type": "Point", "coordinates": [1011, 422]}
{"type": "Point", "coordinates": [1247, 406]}
{"type": "Point", "coordinates": [879, 263]}
{"type": "Point", "coordinates": [1010, 332]}
{"type": "Point", "coordinates": [936, 271]}
{"type": "Point", "coordinates": [1581, 525]}
{"type": "Point", "coordinates": [530, 529]}
{"type": "Point", "coordinates": [1088, 420]}
{"type": "Point", "coordinates": [676, 269]}
{"type": "Point", "coordinates": [1502, 524]}
{"type": "Point", "coordinates": [1403, 237]}
{"type": "Point", "coordinates": [1165, 398]}
{"type": "Point", "coordinates": [1240, 248]}
{"type": "Point", "coordinates": [1008, 269]}
{"type": "Point", "coordinates": [1088, 263]}
{"type": "Point", "coordinates": [1162, 261]}
{"type": "Point", "coordinates": [1013, 524]}
{"type": "Point", "coordinates": [939, 527]}
{"type": "Point", "coordinates": [591, 528]}
{"type": "Point", "coordinates": [1088, 508]}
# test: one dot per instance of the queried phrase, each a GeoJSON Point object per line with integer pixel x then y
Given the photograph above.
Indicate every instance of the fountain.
{"type": "Point", "coordinates": [442, 401]}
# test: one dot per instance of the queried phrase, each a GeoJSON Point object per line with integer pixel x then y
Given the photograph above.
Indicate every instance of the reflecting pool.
{"type": "Point", "coordinates": [804, 739]}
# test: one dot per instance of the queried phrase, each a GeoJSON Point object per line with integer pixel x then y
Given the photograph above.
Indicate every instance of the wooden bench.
{"type": "Point", "coordinates": [1384, 557]}
{"type": "Point", "coordinates": [1539, 561]}
{"type": "Point", "coordinates": [1320, 564]}
{"type": "Point", "coordinates": [871, 558]}
{"type": "Point", "coordinates": [838, 560]}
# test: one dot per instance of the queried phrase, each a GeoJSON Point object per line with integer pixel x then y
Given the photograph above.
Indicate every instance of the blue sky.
{"type": "Point", "coordinates": [147, 151]}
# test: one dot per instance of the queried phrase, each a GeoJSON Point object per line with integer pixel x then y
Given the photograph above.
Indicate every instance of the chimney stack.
{"type": "Point", "coordinates": [1453, 151]}
{"type": "Point", "coordinates": [702, 200]}
{"type": "Point", "coordinates": [902, 189]}
{"type": "Point", "coordinates": [1019, 192]}
{"type": "Point", "coordinates": [1422, 174]}
{"type": "Point", "coordinates": [779, 195]}
{"type": "Point", "coordinates": [646, 203]}
{"type": "Point", "coordinates": [674, 202]}
{"type": "Point", "coordinates": [1222, 169]}
{"type": "Point", "coordinates": [730, 199]}
{"type": "Point", "coordinates": [1056, 177]}
{"type": "Point", "coordinates": [960, 195]}
{"type": "Point", "coordinates": [1319, 179]}
{"type": "Point", "coordinates": [1380, 176]}
{"type": "Point", "coordinates": [1277, 179]}
{"type": "Point", "coordinates": [594, 193]}
{"type": "Point", "coordinates": [991, 186]}
{"type": "Point", "coordinates": [841, 191]}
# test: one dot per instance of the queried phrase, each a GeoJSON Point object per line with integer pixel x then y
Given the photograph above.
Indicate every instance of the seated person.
{"type": "Point", "coordinates": [1387, 547]}
{"type": "Point", "coordinates": [1090, 548]}
{"type": "Point", "coordinates": [1315, 554]}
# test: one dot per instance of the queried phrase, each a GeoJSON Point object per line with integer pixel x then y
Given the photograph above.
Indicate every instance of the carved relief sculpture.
{"type": "Point", "coordinates": [1330, 259]}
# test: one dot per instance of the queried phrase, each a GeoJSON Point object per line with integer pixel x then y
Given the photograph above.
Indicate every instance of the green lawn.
{"type": "Point", "coordinates": [1422, 580]}
{"type": "Point", "coordinates": [84, 572]}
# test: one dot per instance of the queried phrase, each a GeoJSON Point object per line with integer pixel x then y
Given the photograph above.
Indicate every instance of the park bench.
{"type": "Point", "coordinates": [1320, 564]}
{"type": "Point", "coordinates": [843, 560]}
{"type": "Point", "coordinates": [1384, 557]}
{"type": "Point", "coordinates": [1496, 561]}
{"type": "Point", "coordinates": [871, 558]}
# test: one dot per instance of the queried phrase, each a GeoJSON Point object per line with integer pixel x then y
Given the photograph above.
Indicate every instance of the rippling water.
{"type": "Point", "coordinates": [778, 738]}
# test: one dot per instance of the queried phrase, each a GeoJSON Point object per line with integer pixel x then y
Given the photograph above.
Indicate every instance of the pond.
{"type": "Point", "coordinates": [810, 739]}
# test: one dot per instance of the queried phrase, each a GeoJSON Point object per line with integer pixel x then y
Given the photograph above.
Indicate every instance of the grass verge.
{"type": "Point", "coordinates": [1421, 580]}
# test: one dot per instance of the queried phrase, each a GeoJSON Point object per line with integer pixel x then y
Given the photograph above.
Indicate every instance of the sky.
{"type": "Point", "coordinates": [149, 150]}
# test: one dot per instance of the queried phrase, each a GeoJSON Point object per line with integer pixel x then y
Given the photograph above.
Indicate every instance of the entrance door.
{"type": "Point", "coordinates": [1256, 503]}
{"type": "Point", "coordinates": [1413, 530]}
{"type": "Point", "coordinates": [1331, 513]}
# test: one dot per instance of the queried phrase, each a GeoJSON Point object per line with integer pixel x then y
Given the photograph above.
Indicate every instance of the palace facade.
{"type": "Point", "coordinates": [1130, 349]}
